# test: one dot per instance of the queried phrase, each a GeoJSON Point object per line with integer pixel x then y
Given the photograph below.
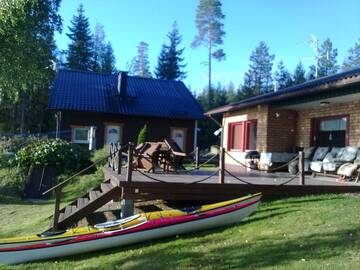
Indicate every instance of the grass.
{"type": "Point", "coordinates": [312, 232]}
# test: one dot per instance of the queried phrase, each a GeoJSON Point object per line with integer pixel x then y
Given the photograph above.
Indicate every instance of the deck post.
{"type": "Point", "coordinates": [118, 158]}
{"type": "Point", "coordinates": [127, 208]}
{"type": "Point", "coordinates": [197, 157]}
{"type": "Point", "coordinates": [130, 162]}
{"type": "Point", "coordinates": [222, 166]}
{"type": "Point", "coordinates": [56, 209]}
{"type": "Point", "coordinates": [301, 168]}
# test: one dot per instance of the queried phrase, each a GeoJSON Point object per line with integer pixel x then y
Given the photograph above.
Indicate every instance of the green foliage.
{"type": "Point", "coordinates": [140, 65]}
{"type": "Point", "coordinates": [299, 74]}
{"type": "Point", "coordinates": [327, 59]}
{"type": "Point", "coordinates": [27, 49]}
{"type": "Point", "coordinates": [282, 76]}
{"type": "Point", "coordinates": [104, 59]}
{"type": "Point", "coordinates": [169, 65]}
{"type": "Point", "coordinates": [353, 58]}
{"type": "Point", "coordinates": [66, 157]}
{"type": "Point", "coordinates": [143, 135]}
{"type": "Point", "coordinates": [80, 54]}
{"type": "Point", "coordinates": [12, 181]}
{"type": "Point", "coordinates": [108, 59]}
{"type": "Point", "coordinates": [258, 78]}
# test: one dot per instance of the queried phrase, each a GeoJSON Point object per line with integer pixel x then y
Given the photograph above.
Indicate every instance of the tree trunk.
{"type": "Point", "coordinates": [210, 95]}
{"type": "Point", "coordinates": [22, 113]}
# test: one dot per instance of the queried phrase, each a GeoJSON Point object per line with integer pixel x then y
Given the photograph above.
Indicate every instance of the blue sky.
{"type": "Point", "coordinates": [284, 25]}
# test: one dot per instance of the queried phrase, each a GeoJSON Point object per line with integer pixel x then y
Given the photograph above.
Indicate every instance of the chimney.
{"type": "Point", "coordinates": [121, 87]}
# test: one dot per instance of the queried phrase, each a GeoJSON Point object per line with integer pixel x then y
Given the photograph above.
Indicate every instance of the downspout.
{"type": "Point", "coordinates": [222, 129]}
{"type": "Point", "coordinates": [58, 124]}
{"type": "Point", "coordinates": [195, 134]}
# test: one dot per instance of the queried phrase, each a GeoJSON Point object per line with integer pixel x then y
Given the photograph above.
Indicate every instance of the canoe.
{"type": "Point", "coordinates": [148, 230]}
{"type": "Point", "coordinates": [52, 237]}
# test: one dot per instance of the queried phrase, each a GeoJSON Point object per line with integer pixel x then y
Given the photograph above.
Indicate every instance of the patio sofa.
{"type": "Point", "coordinates": [349, 169]}
{"type": "Point", "coordinates": [310, 155]}
{"type": "Point", "coordinates": [317, 166]}
{"type": "Point", "coordinates": [345, 155]}
{"type": "Point", "coordinates": [271, 160]}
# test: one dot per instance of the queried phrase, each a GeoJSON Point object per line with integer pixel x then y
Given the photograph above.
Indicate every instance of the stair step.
{"type": "Point", "coordinates": [61, 217]}
{"type": "Point", "coordinates": [81, 202]}
{"type": "Point", "coordinates": [106, 187]}
{"type": "Point", "coordinates": [115, 182]}
{"type": "Point", "coordinates": [94, 194]}
{"type": "Point", "coordinates": [67, 211]}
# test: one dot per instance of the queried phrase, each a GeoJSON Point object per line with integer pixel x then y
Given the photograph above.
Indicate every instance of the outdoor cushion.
{"type": "Point", "coordinates": [347, 154]}
{"type": "Point", "coordinates": [317, 166]}
{"type": "Point", "coordinates": [308, 151]}
{"type": "Point", "coordinates": [348, 169]}
{"type": "Point", "coordinates": [320, 153]}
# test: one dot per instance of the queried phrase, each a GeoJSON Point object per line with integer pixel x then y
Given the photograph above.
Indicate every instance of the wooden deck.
{"type": "Point", "coordinates": [182, 186]}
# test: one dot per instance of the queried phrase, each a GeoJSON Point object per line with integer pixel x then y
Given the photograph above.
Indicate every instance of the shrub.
{"type": "Point", "coordinates": [143, 135]}
{"type": "Point", "coordinates": [64, 156]}
{"type": "Point", "coordinates": [12, 182]}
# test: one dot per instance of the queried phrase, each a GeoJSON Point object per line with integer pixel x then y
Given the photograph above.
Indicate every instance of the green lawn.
{"type": "Point", "coordinates": [314, 232]}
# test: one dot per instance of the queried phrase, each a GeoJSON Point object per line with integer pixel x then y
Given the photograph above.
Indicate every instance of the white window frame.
{"type": "Point", "coordinates": [87, 128]}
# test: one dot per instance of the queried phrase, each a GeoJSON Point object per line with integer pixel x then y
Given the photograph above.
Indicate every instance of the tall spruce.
{"type": "Point", "coordinates": [327, 59]}
{"type": "Point", "coordinates": [140, 65]}
{"type": "Point", "coordinates": [170, 60]}
{"type": "Point", "coordinates": [299, 74]}
{"type": "Point", "coordinates": [98, 47]}
{"type": "Point", "coordinates": [108, 60]}
{"type": "Point", "coordinates": [282, 76]}
{"type": "Point", "coordinates": [80, 50]}
{"type": "Point", "coordinates": [353, 58]}
{"type": "Point", "coordinates": [210, 34]}
{"type": "Point", "coordinates": [258, 78]}
{"type": "Point", "coordinates": [27, 55]}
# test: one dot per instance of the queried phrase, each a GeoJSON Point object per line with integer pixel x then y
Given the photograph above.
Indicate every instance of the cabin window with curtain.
{"type": "Point", "coordinates": [80, 134]}
{"type": "Point", "coordinates": [242, 135]}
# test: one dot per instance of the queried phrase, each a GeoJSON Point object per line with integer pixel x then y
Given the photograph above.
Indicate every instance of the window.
{"type": "Point", "coordinates": [80, 134]}
{"type": "Point", "coordinates": [330, 131]}
{"type": "Point", "coordinates": [242, 135]}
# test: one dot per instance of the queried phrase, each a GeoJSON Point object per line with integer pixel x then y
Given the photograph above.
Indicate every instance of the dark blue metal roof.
{"type": "Point", "coordinates": [97, 92]}
{"type": "Point", "coordinates": [286, 93]}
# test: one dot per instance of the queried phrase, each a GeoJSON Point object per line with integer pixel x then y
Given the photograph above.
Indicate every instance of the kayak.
{"type": "Point", "coordinates": [53, 237]}
{"type": "Point", "coordinates": [147, 230]}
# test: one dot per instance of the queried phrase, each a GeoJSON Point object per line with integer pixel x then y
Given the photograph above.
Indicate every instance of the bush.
{"type": "Point", "coordinates": [143, 135]}
{"type": "Point", "coordinates": [12, 182]}
{"type": "Point", "coordinates": [14, 144]}
{"type": "Point", "coordinates": [64, 156]}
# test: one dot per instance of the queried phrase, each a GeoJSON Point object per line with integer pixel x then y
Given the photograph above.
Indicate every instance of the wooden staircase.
{"type": "Point", "coordinates": [94, 199]}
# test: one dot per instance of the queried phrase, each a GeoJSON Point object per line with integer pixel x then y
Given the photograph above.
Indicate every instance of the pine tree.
{"type": "Point", "coordinates": [327, 59]}
{"type": "Point", "coordinates": [169, 62]}
{"type": "Point", "coordinates": [258, 79]}
{"type": "Point", "coordinates": [99, 47]}
{"type": "Point", "coordinates": [143, 135]}
{"type": "Point", "coordinates": [108, 59]}
{"type": "Point", "coordinates": [162, 68]}
{"type": "Point", "coordinates": [311, 74]}
{"type": "Point", "coordinates": [140, 65]}
{"type": "Point", "coordinates": [282, 76]}
{"type": "Point", "coordinates": [80, 50]}
{"type": "Point", "coordinates": [210, 28]}
{"type": "Point", "coordinates": [231, 93]}
{"type": "Point", "coordinates": [353, 58]}
{"type": "Point", "coordinates": [299, 74]}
